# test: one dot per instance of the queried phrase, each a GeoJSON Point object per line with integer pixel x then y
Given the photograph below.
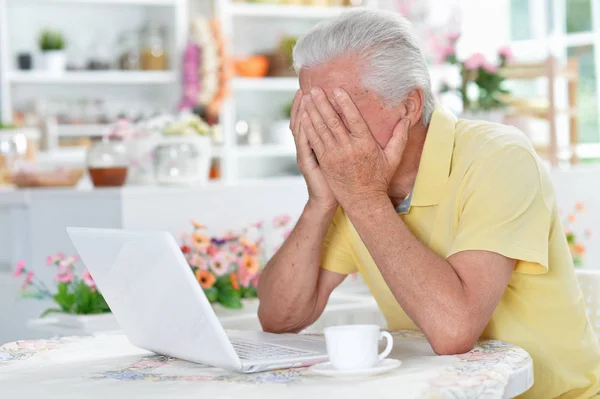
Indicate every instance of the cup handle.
{"type": "Point", "coordinates": [390, 344]}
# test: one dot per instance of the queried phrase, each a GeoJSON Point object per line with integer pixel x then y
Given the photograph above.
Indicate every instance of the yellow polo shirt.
{"type": "Point", "coordinates": [480, 186]}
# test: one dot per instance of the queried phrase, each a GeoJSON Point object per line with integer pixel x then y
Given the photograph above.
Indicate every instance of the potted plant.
{"type": "Point", "coordinates": [78, 303]}
{"type": "Point", "coordinates": [280, 129]}
{"type": "Point", "coordinates": [184, 153]}
{"type": "Point", "coordinates": [481, 89]}
{"type": "Point", "coordinates": [227, 267]}
{"type": "Point", "coordinates": [52, 45]}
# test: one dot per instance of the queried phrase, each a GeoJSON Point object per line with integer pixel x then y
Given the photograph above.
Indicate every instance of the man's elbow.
{"type": "Point", "coordinates": [453, 340]}
{"type": "Point", "coordinates": [279, 322]}
{"type": "Point", "coordinates": [269, 323]}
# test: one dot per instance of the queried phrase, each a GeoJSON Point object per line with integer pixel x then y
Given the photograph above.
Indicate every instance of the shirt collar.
{"type": "Point", "coordinates": [436, 159]}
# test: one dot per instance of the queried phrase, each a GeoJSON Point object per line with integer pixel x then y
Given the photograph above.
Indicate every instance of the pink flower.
{"type": "Point", "coordinates": [201, 248]}
{"type": "Point", "coordinates": [60, 256]}
{"type": "Point", "coordinates": [453, 36]}
{"type": "Point", "coordinates": [281, 220]}
{"type": "Point", "coordinates": [229, 236]}
{"type": "Point", "coordinates": [64, 278]}
{"type": "Point", "coordinates": [475, 61]}
{"type": "Point", "coordinates": [489, 68]}
{"type": "Point", "coordinates": [257, 225]}
{"type": "Point", "coordinates": [65, 273]}
{"type": "Point", "coordinates": [27, 280]}
{"type": "Point", "coordinates": [506, 53]}
{"type": "Point", "coordinates": [246, 279]}
{"type": "Point", "coordinates": [19, 269]}
{"type": "Point", "coordinates": [50, 261]}
{"type": "Point", "coordinates": [448, 51]}
{"type": "Point", "coordinates": [88, 280]}
{"type": "Point", "coordinates": [211, 250]}
{"type": "Point", "coordinates": [199, 262]}
{"type": "Point", "coordinates": [219, 264]}
{"type": "Point", "coordinates": [255, 280]}
{"type": "Point", "coordinates": [236, 249]}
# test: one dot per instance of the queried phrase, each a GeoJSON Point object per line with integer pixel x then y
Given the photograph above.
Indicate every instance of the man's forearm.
{"type": "Point", "coordinates": [288, 284]}
{"type": "Point", "coordinates": [423, 283]}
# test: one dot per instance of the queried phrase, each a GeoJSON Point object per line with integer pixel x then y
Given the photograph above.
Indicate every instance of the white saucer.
{"type": "Point", "coordinates": [381, 367]}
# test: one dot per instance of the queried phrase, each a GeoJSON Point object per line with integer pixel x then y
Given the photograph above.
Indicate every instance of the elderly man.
{"type": "Point", "coordinates": [453, 224]}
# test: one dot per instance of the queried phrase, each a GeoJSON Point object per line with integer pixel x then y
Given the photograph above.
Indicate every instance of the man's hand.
{"type": "Point", "coordinates": [355, 167]}
{"type": "Point", "coordinates": [318, 190]}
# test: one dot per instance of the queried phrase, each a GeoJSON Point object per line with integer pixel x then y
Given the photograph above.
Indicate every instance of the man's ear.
{"type": "Point", "coordinates": [414, 106]}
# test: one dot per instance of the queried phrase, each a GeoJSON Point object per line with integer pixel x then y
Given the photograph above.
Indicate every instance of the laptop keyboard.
{"type": "Point", "coordinates": [248, 350]}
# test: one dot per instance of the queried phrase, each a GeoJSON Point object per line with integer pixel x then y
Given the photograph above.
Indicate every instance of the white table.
{"type": "Point", "coordinates": [107, 366]}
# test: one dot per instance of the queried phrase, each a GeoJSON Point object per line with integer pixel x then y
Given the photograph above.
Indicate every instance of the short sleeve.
{"type": "Point", "coordinates": [503, 209]}
{"type": "Point", "coordinates": [337, 248]}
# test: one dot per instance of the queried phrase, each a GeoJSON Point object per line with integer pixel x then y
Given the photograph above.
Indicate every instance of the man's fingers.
{"type": "Point", "coordinates": [295, 112]}
{"type": "Point", "coordinates": [314, 139]}
{"type": "Point", "coordinates": [357, 125]}
{"type": "Point", "coordinates": [318, 124]}
{"type": "Point", "coordinates": [304, 153]}
{"type": "Point", "coordinates": [328, 114]}
{"type": "Point", "coordinates": [395, 147]}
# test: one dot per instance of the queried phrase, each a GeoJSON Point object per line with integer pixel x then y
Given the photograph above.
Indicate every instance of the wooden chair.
{"type": "Point", "coordinates": [547, 108]}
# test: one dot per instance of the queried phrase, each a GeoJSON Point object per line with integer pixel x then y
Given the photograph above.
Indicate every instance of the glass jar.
{"type": "Point", "coordinates": [129, 47]}
{"type": "Point", "coordinates": [183, 160]}
{"type": "Point", "coordinates": [107, 162]}
{"type": "Point", "coordinates": [154, 55]}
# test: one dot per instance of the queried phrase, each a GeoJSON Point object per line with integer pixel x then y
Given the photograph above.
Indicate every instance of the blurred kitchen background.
{"type": "Point", "coordinates": [144, 114]}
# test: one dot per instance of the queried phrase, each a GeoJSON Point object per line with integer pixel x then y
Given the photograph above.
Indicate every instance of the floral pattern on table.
{"type": "Point", "coordinates": [481, 373]}
{"type": "Point", "coordinates": [22, 350]}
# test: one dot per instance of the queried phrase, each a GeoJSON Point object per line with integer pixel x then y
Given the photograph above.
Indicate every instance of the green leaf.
{"type": "Point", "coordinates": [223, 281]}
{"type": "Point", "coordinates": [249, 292]}
{"type": "Point", "coordinates": [230, 298]}
{"type": "Point", "coordinates": [51, 310]}
{"type": "Point", "coordinates": [64, 298]}
{"type": "Point", "coordinates": [212, 294]}
{"type": "Point", "coordinates": [82, 298]}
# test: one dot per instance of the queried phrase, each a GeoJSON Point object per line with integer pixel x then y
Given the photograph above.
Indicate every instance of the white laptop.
{"type": "Point", "coordinates": [160, 306]}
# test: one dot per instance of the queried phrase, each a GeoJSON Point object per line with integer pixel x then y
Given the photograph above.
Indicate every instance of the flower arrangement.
{"type": "Point", "coordinates": [74, 294]}
{"type": "Point", "coordinates": [228, 267]}
{"type": "Point", "coordinates": [576, 247]}
{"type": "Point", "coordinates": [481, 86]}
{"type": "Point", "coordinates": [188, 124]}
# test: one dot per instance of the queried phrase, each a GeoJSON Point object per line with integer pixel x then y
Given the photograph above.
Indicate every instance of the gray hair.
{"type": "Point", "coordinates": [396, 65]}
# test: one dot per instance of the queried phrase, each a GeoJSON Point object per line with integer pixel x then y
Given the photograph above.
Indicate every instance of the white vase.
{"type": "Point", "coordinates": [183, 159]}
{"type": "Point", "coordinates": [54, 61]}
{"type": "Point", "coordinates": [281, 134]}
{"type": "Point", "coordinates": [493, 116]}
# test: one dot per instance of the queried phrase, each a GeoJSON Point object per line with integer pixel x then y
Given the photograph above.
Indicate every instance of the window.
{"type": "Point", "coordinates": [565, 28]}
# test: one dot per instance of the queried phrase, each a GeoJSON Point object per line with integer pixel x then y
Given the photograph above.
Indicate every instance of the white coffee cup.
{"type": "Point", "coordinates": [355, 347]}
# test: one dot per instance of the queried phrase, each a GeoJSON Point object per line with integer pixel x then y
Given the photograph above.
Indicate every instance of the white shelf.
{"type": "Point", "coordinates": [286, 11]}
{"type": "Point", "coordinates": [82, 130]}
{"type": "Point", "coordinates": [265, 84]}
{"type": "Point", "coordinates": [94, 77]}
{"type": "Point", "coordinates": [104, 2]}
{"type": "Point", "coordinates": [265, 150]}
